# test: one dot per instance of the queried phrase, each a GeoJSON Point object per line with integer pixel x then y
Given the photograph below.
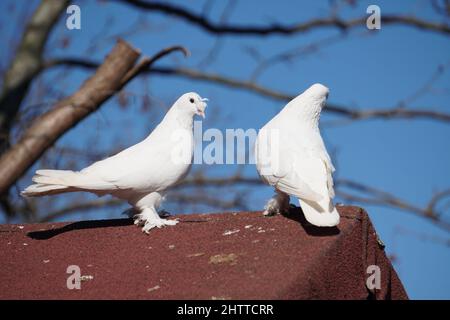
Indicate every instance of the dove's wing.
{"type": "Point", "coordinates": [314, 173]}
{"type": "Point", "coordinates": [281, 170]}
{"type": "Point", "coordinates": [114, 173]}
{"type": "Point", "coordinates": [319, 153]}
{"type": "Point", "coordinates": [303, 179]}
{"type": "Point", "coordinates": [304, 172]}
{"type": "Point", "coordinates": [100, 177]}
{"type": "Point", "coordinates": [147, 165]}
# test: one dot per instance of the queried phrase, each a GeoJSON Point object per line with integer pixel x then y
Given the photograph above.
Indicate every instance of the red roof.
{"type": "Point", "coordinates": [206, 256]}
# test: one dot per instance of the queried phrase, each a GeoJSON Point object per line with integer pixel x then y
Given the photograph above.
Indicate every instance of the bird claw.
{"type": "Point", "coordinates": [271, 208]}
{"type": "Point", "coordinates": [150, 223]}
{"type": "Point", "coordinates": [269, 213]}
{"type": "Point", "coordinates": [279, 204]}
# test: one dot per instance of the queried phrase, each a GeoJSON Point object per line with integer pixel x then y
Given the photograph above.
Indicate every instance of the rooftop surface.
{"type": "Point", "coordinates": [206, 256]}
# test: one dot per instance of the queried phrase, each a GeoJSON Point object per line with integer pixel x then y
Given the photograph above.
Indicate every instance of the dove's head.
{"type": "Point", "coordinates": [191, 104]}
{"type": "Point", "coordinates": [316, 95]}
{"type": "Point", "coordinates": [309, 104]}
{"type": "Point", "coordinates": [318, 92]}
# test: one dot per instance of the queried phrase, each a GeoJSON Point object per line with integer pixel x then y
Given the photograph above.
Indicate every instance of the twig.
{"type": "Point", "coordinates": [241, 30]}
{"type": "Point", "coordinates": [381, 198]}
{"type": "Point", "coordinates": [353, 114]}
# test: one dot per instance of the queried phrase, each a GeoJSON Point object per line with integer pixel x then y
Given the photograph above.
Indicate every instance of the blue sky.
{"type": "Point", "coordinates": [409, 158]}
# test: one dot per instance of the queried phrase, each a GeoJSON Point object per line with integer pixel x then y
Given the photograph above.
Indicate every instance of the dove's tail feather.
{"type": "Point", "coordinates": [318, 216]}
{"type": "Point", "coordinates": [49, 182]}
{"type": "Point", "coordinates": [38, 189]}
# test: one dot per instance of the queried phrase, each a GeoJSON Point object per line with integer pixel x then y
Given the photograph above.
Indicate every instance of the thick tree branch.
{"type": "Point", "coordinates": [26, 63]}
{"type": "Point", "coordinates": [241, 30]}
{"type": "Point", "coordinates": [116, 71]}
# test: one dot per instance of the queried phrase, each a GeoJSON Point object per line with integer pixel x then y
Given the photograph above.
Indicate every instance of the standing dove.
{"type": "Point", "coordinates": [291, 157]}
{"type": "Point", "coordinates": [140, 174]}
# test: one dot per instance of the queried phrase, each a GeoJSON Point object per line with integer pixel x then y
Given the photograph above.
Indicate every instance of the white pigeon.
{"type": "Point", "coordinates": [291, 157]}
{"type": "Point", "coordinates": [140, 174]}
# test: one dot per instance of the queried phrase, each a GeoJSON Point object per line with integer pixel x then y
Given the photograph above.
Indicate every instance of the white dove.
{"type": "Point", "coordinates": [140, 174]}
{"type": "Point", "coordinates": [291, 157]}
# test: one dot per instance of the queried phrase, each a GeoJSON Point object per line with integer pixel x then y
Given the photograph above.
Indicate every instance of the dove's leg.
{"type": "Point", "coordinates": [163, 213]}
{"type": "Point", "coordinates": [279, 203]}
{"type": "Point", "coordinates": [148, 216]}
{"type": "Point", "coordinates": [131, 212]}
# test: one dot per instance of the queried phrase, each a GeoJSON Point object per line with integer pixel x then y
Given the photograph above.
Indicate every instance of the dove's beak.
{"type": "Point", "coordinates": [201, 108]}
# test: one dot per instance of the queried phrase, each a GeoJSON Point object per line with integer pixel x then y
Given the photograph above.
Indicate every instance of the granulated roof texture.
{"type": "Point", "coordinates": [206, 256]}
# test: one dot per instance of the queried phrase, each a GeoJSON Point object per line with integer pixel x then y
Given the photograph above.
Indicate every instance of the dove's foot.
{"type": "Point", "coordinates": [271, 208]}
{"type": "Point", "coordinates": [150, 219]}
{"type": "Point", "coordinates": [157, 223]}
{"type": "Point", "coordinates": [277, 204]}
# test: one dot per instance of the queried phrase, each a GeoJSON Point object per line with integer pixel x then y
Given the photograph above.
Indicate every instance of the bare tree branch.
{"type": "Point", "coordinates": [427, 86]}
{"type": "Point", "coordinates": [288, 56]}
{"type": "Point", "coordinates": [174, 198]}
{"type": "Point", "coordinates": [214, 51]}
{"type": "Point", "coordinates": [211, 201]}
{"type": "Point", "coordinates": [201, 180]}
{"type": "Point", "coordinates": [354, 114]}
{"type": "Point", "coordinates": [236, 30]}
{"type": "Point", "coordinates": [399, 112]}
{"type": "Point", "coordinates": [116, 71]}
{"type": "Point", "coordinates": [372, 195]}
{"type": "Point", "coordinates": [378, 197]}
{"type": "Point", "coordinates": [26, 63]}
{"type": "Point", "coordinates": [359, 193]}
{"type": "Point", "coordinates": [81, 207]}
{"type": "Point", "coordinates": [402, 231]}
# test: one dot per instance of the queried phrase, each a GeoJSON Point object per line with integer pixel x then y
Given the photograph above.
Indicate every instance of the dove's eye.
{"type": "Point", "coordinates": [191, 100]}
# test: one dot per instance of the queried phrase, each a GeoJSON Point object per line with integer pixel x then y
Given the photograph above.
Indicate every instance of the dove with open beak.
{"type": "Point", "coordinates": [141, 174]}
{"type": "Point", "coordinates": [201, 106]}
